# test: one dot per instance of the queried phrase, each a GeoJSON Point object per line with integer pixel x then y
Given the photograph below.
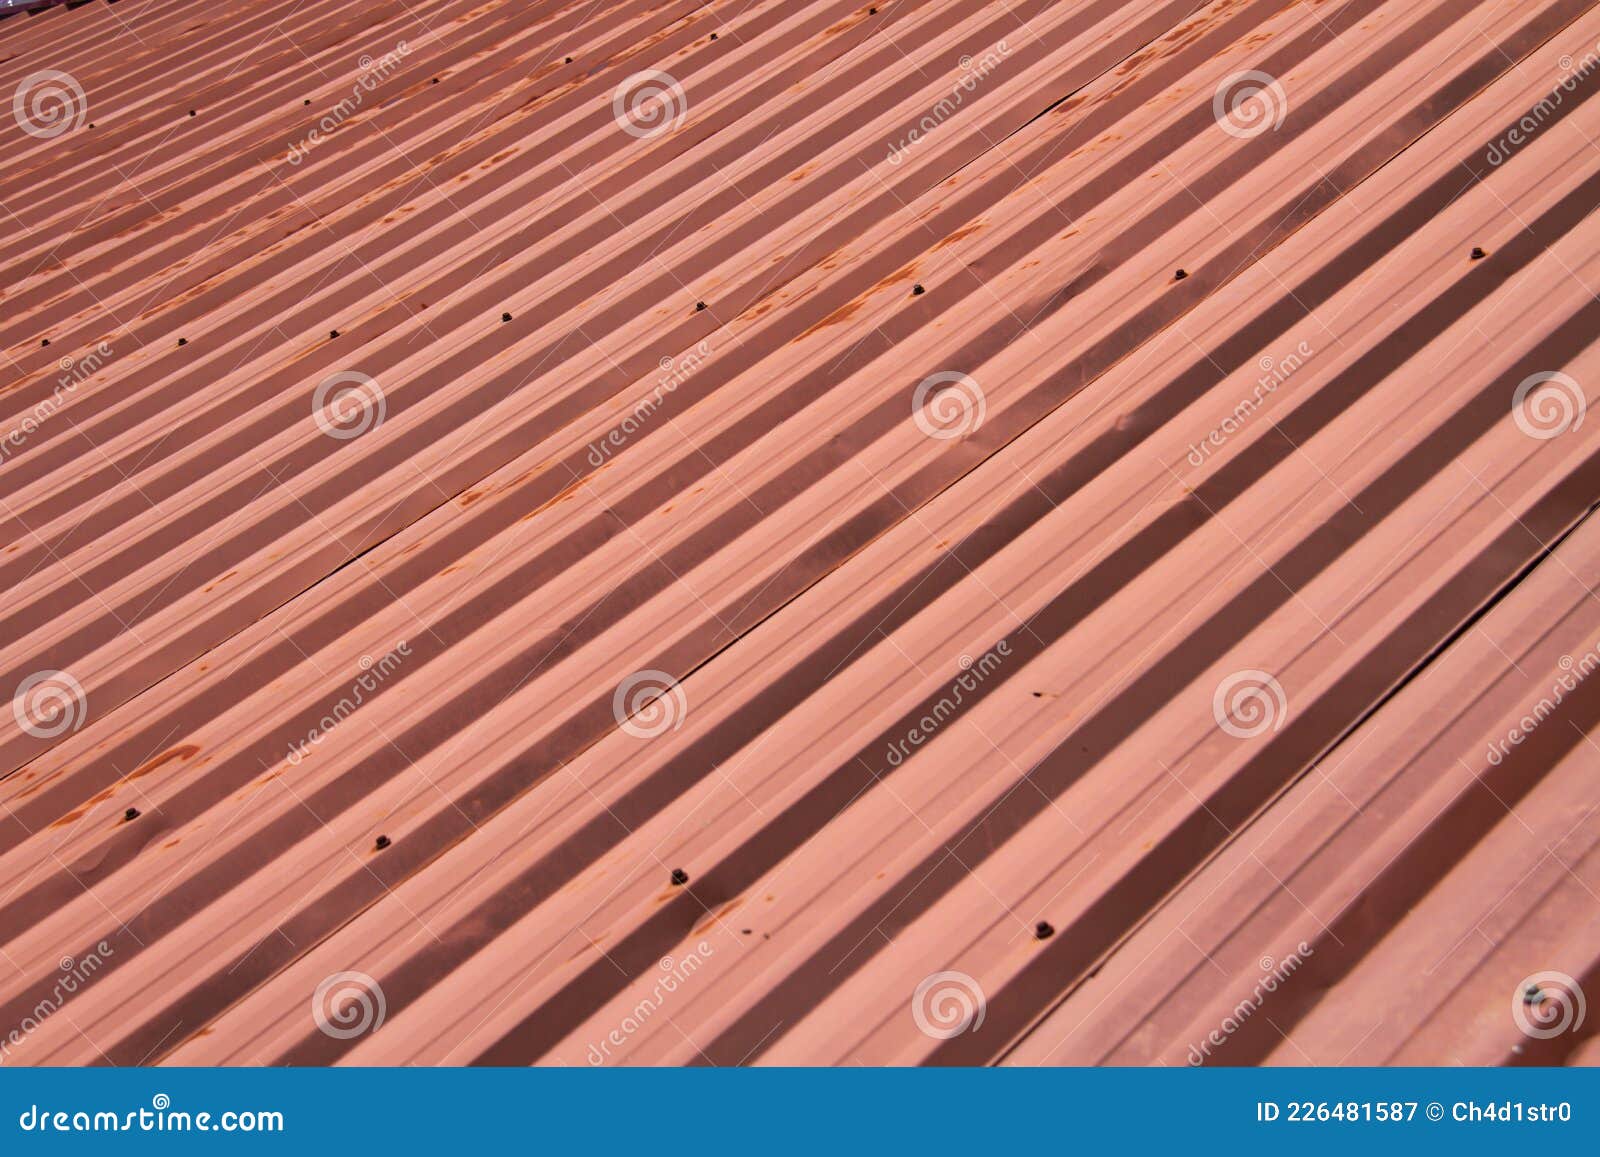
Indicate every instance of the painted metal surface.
{"type": "Point", "coordinates": [16, 7]}
{"type": "Point", "coordinates": [675, 532]}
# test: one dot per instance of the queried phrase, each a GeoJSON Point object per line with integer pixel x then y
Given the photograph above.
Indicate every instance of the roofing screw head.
{"type": "Point", "coordinates": [191, 112]}
{"type": "Point", "coordinates": [381, 842]}
{"type": "Point", "coordinates": [1043, 930]}
{"type": "Point", "coordinates": [699, 305]}
{"type": "Point", "coordinates": [332, 333]}
{"type": "Point", "coordinates": [713, 36]}
{"type": "Point", "coordinates": [1180, 275]}
{"type": "Point", "coordinates": [505, 317]}
{"type": "Point", "coordinates": [917, 290]}
{"type": "Point", "coordinates": [569, 60]}
{"type": "Point", "coordinates": [436, 80]}
{"type": "Point", "coordinates": [308, 102]}
{"type": "Point", "coordinates": [131, 814]}
{"type": "Point", "coordinates": [1478, 254]}
{"type": "Point", "coordinates": [183, 341]}
{"type": "Point", "coordinates": [679, 877]}
{"type": "Point", "coordinates": [44, 341]}
{"type": "Point", "coordinates": [1533, 994]}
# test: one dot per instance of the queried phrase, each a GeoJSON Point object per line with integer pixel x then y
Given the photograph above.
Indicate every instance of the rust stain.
{"type": "Point", "coordinates": [184, 753]}
{"type": "Point", "coordinates": [843, 314]}
{"type": "Point", "coordinates": [964, 232]}
{"type": "Point", "coordinates": [78, 813]}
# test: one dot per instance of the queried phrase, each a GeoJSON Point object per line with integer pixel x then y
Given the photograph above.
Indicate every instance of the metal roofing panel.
{"type": "Point", "coordinates": [766, 532]}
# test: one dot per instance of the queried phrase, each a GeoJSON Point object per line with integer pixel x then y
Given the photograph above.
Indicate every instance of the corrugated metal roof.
{"type": "Point", "coordinates": [676, 532]}
{"type": "Point", "coordinates": [32, 7]}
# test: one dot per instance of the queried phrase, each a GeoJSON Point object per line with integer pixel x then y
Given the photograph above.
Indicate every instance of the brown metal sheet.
{"type": "Point", "coordinates": [1045, 458]}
